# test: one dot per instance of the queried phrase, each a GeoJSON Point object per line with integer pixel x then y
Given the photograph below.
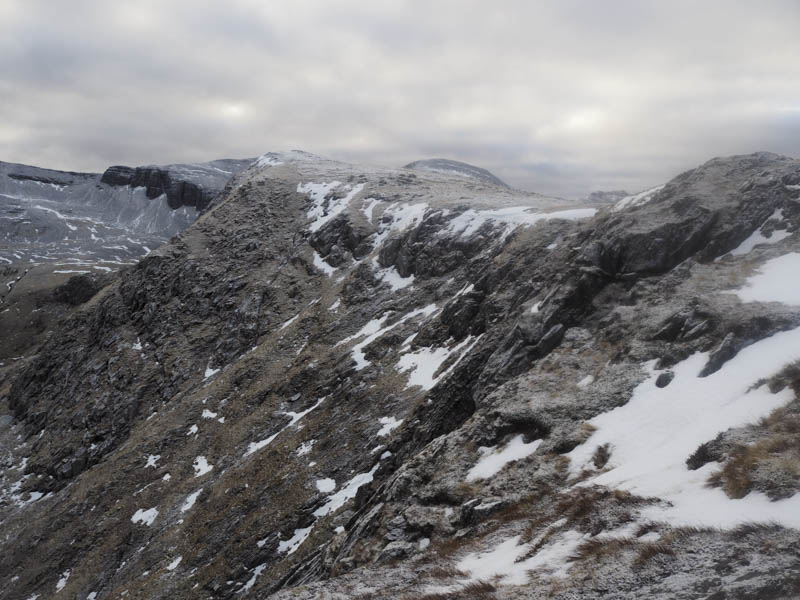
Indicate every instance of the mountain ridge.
{"type": "Point", "coordinates": [349, 382]}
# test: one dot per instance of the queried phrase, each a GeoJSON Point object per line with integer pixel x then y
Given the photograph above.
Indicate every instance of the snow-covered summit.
{"type": "Point", "coordinates": [454, 167]}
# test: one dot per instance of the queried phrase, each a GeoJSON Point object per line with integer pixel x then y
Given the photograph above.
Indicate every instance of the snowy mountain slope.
{"type": "Point", "coordinates": [454, 167]}
{"type": "Point", "coordinates": [345, 382]}
{"type": "Point", "coordinates": [111, 218]}
{"type": "Point", "coordinates": [55, 224]}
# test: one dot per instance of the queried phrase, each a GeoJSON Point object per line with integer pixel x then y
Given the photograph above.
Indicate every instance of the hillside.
{"type": "Point", "coordinates": [347, 382]}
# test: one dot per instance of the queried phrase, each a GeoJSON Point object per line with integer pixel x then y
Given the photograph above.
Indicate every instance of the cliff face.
{"type": "Point", "coordinates": [56, 224]}
{"type": "Point", "coordinates": [342, 382]}
{"type": "Point", "coordinates": [194, 186]}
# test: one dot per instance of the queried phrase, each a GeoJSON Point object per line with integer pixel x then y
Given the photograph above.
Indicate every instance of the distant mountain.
{"type": "Point", "coordinates": [101, 220]}
{"type": "Point", "coordinates": [454, 167]}
{"type": "Point", "coordinates": [605, 198]}
{"type": "Point", "coordinates": [62, 233]}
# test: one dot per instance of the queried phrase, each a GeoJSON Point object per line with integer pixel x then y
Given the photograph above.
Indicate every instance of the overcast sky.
{"type": "Point", "coordinates": [562, 97]}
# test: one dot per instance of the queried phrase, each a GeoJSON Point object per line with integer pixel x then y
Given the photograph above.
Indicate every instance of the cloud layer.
{"type": "Point", "coordinates": [558, 97]}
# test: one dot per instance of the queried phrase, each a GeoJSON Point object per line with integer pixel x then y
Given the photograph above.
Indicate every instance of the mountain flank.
{"type": "Point", "coordinates": [345, 382]}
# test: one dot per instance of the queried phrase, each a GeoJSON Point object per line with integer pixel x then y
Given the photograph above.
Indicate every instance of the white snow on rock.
{"type": "Point", "coordinates": [290, 321]}
{"type": "Point", "coordinates": [305, 447]}
{"type": "Point", "coordinates": [289, 546]}
{"type": "Point", "coordinates": [145, 517]}
{"type": "Point", "coordinates": [201, 466]}
{"type": "Point", "coordinates": [256, 446]}
{"type": "Point", "coordinates": [174, 564]}
{"type": "Point", "coordinates": [320, 264]}
{"type": "Point", "coordinates": [326, 485]}
{"type": "Point", "coordinates": [251, 582]}
{"type": "Point", "coordinates": [319, 212]}
{"type": "Point", "coordinates": [470, 221]}
{"type": "Point", "coordinates": [373, 331]}
{"type": "Point", "coordinates": [207, 414]}
{"type": "Point", "coordinates": [268, 160]}
{"type": "Point", "coordinates": [503, 561]}
{"type": "Point", "coordinates": [493, 460]}
{"type": "Point", "coordinates": [137, 346]}
{"type": "Point", "coordinates": [349, 491]}
{"type": "Point", "coordinates": [757, 238]}
{"type": "Point", "coordinates": [335, 305]}
{"type": "Point", "coordinates": [652, 435]}
{"type": "Point", "coordinates": [62, 581]}
{"type": "Point", "coordinates": [398, 217]}
{"type": "Point", "coordinates": [192, 430]}
{"type": "Point", "coordinates": [210, 372]}
{"type": "Point", "coordinates": [776, 281]}
{"type": "Point", "coordinates": [152, 460]}
{"type": "Point", "coordinates": [367, 210]}
{"type": "Point", "coordinates": [586, 381]}
{"type": "Point", "coordinates": [394, 279]}
{"type": "Point", "coordinates": [190, 500]}
{"type": "Point", "coordinates": [388, 425]}
{"type": "Point", "coordinates": [637, 199]}
{"type": "Point", "coordinates": [294, 418]}
{"type": "Point", "coordinates": [423, 364]}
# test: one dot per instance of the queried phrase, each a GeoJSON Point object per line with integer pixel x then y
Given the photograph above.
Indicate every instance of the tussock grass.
{"type": "Point", "coordinates": [477, 590]}
{"type": "Point", "coordinates": [771, 465]}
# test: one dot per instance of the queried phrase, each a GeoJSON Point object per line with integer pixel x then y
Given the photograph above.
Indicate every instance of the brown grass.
{"type": "Point", "coordinates": [598, 548]}
{"type": "Point", "coordinates": [778, 452]}
{"type": "Point", "coordinates": [477, 590]}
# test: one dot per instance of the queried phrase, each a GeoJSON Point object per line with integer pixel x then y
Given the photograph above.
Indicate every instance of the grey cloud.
{"type": "Point", "coordinates": [560, 97]}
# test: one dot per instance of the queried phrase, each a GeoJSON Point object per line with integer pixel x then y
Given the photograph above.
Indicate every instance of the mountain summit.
{"type": "Point", "coordinates": [344, 382]}
{"type": "Point", "coordinates": [454, 167]}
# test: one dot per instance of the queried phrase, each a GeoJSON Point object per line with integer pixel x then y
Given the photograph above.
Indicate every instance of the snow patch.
{"type": "Point", "coordinates": [637, 199]}
{"type": "Point", "coordinates": [373, 331]}
{"type": "Point", "coordinates": [494, 460]}
{"type": "Point", "coordinates": [190, 500]}
{"type": "Point", "coordinates": [651, 436]}
{"type": "Point", "coordinates": [251, 582]}
{"type": "Point", "coordinates": [320, 264]}
{"type": "Point", "coordinates": [305, 448]}
{"type": "Point", "coordinates": [349, 491]}
{"type": "Point", "coordinates": [201, 466]}
{"type": "Point", "coordinates": [775, 281]}
{"type": "Point", "coordinates": [294, 418]}
{"type": "Point", "coordinates": [757, 238]}
{"type": "Point", "coordinates": [394, 279]}
{"type": "Point", "coordinates": [319, 212]}
{"type": "Point", "coordinates": [268, 160]}
{"type": "Point", "coordinates": [389, 424]}
{"type": "Point", "coordinates": [470, 221]}
{"type": "Point", "coordinates": [292, 544]}
{"type": "Point", "coordinates": [425, 362]}
{"type": "Point", "coordinates": [503, 562]}
{"type": "Point", "coordinates": [326, 485]}
{"type": "Point", "coordinates": [62, 581]}
{"type": "Point", "coordinates": [145, 517]}
{"type": "Point", "coordinates": [290, 321]}
{"type": "Point", "coordinates": [174, 564]}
